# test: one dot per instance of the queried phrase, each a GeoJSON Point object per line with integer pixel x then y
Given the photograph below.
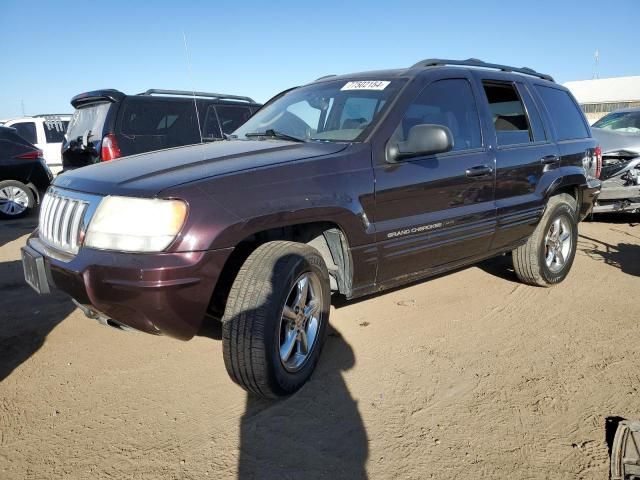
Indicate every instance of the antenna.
{"type": "Point", "coordinates": [193, 89]}
{"type": "Point", "coordinates": [596, 58]}
{"type": "Point", "coordinates": [22, 105]}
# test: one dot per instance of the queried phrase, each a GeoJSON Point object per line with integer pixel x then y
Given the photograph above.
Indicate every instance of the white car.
{"type": "Point", "coordinates": [46, 132]}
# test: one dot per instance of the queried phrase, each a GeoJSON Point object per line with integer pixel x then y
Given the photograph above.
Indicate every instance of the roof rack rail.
{"type": "Point", "coordinates": [474, 62]}
{"type": "Point", "coordinates": [53, 115]}
{"type": "Point", "coordinates": [217, 96]}
{"type": "Point", "coordinates": [325, 76]}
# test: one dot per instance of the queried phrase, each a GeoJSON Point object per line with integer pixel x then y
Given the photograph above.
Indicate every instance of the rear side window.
{"type": "Point", "coordinates": [54, 130]}
{"type": "Point", "coordinates": [508, 114]}
{"type": "Point", "coordinates": [26, 130]}
{"type": "Point", "coordinates": [565, 114]}
{"type": "Point", "coordinates": [231, 117]}
{"type": "Point", "coordinates": [450, 103]}
{"type": "Point", "coordinates": [175, 121]}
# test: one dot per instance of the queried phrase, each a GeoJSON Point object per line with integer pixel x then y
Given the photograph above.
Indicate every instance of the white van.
{"type": "Point", "coordinates": [46, 132]}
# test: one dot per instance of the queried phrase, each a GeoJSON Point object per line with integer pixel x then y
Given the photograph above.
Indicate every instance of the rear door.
{"type": "Point", "coordinates": [438, 209]}
{"type": "Point", "coordinates": [524, 152]}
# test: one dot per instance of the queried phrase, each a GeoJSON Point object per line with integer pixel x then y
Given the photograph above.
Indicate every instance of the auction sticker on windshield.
{"type": "Point", "coordinates": [366, 85]}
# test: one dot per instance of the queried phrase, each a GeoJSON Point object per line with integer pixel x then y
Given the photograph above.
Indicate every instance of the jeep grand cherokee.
{"type": "Point", "coordinates": [350, 184]}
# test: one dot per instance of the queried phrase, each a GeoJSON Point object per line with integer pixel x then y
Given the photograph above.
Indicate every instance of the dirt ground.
{"type": "Point", "coordinates": [469, 375]}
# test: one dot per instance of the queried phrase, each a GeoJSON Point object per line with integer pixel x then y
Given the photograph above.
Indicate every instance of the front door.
{"type": "Point", "coordinates": [436, 210]}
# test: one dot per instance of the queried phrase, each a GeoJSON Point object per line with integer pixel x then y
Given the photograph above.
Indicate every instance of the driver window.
{"type": "Point", "coordinates": [445, 102]}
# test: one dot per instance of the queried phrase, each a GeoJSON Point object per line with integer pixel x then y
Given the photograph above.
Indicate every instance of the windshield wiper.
{"type": "Point", "coordinates": [274, 134]}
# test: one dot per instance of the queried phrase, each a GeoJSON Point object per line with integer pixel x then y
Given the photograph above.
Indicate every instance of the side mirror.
{"type": "Point", "coordinates": [424, 139]}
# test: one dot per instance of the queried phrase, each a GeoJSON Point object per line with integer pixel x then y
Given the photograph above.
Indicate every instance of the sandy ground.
{"type": "Point", "coordinates": [469, 375]}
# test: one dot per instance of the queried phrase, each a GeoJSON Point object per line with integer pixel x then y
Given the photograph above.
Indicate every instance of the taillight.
{"type": "Point", "coordinates": [31, 155]}
{"type": "Point", "coordinates": [110, 149]}
{"type": "Point", "coordinates": [598, 154]}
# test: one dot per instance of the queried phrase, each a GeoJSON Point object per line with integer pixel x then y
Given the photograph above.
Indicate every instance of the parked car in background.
{"type": "Point", "coordinates": [625, 120]}
{"type": "Point", "coordinates": [108, 124]}
{"type": "Point", "coordinates": [619, 137]}
{"type": "Point", "coordinates": [45, 132]}
{"type": "Point", "coordinates": [351, 184]}
{"type": "Point", "coordinates": [24, 175]}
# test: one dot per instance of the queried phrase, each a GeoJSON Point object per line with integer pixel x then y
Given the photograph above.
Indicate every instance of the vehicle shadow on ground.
{"type": "Point", "coordinates": [316, 433]}
{"type": "Point", "coordinates": [11, 230]}
{"type": "Point", "coordinates": [625, 256]}
{"type": "Point", "coordinates": [25, 317]}
{"type": "Point", "coordinates": [628, 218]}
{"type": "Point", "coordinates": [501, 267]}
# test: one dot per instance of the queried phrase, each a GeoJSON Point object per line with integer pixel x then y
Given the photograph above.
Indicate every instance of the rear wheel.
{"type": "Point", "coordinates": [547, 256]}
{"type": "Point", "coordinates": [276, 317]}
{"type": "Point", "coordinates": [16, 199]}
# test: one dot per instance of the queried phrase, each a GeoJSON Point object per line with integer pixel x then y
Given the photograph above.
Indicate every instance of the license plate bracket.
{"type": "Point", "coordinates": [35, 273]}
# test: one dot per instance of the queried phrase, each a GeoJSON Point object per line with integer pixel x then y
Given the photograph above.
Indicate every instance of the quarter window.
{"type": "Point", "coordinates": [565, 114]}
{"type": "Point", "coordinates": [509, 118]}
{"type": "Point", "coordinates": [26, 130]}
{"type": "Point", "coordinates": [445, 102]}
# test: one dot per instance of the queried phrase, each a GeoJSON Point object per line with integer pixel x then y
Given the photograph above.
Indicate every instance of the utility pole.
{"type": "Point", "coordinates": [596, 58]}
{"type": "Point", "coordinates": [22, 105]}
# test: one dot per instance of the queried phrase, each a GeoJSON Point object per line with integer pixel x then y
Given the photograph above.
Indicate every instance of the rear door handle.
{"type": "Point", "coordinates": [549, 159]}
{"type": "Point", "coordinates": [479, 171]}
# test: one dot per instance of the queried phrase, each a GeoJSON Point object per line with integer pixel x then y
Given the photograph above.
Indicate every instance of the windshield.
{"type": "Point", "coordinates": [620, 121]}
{"type": "Point", "coordinates": [341, 111]}
{"type": "Point", "coordinates": [89, 118]}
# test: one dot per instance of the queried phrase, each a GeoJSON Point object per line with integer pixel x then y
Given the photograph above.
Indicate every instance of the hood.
{"type": "Point", "coordinates": [611, 140]}
{"type": "Point", "coordinates": [150, 173]}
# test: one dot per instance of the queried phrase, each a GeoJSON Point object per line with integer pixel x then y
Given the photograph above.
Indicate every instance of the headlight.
{"type": "Point", "coordinates": [135, 224]}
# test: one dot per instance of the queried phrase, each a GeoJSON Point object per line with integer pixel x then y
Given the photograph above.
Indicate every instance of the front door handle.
{"type": "Point", "coordinates": [479, 171]}
{"type": "Point", "coordinates": [549, 159]}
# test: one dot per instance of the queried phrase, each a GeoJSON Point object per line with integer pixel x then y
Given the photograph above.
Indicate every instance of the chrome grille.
{"type": "Point", "coordinates": [61, 221]}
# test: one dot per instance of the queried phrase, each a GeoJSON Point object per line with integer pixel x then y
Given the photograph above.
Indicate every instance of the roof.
{"type": "Point", "coordinates": [605, 90]}
{"type": "Point", "coordinates": [437, 63]}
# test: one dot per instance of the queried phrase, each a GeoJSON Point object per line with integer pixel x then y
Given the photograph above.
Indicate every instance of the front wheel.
{"type": "Point", "coordinates": [276, 317]}
{"type": "Point", "coordinates": [547, 256]}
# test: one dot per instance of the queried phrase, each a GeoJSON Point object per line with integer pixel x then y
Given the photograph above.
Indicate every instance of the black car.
{"type": "Point", "coordinates": [24, 175]}
{"type": "Point", "coordinates": [109, 124]}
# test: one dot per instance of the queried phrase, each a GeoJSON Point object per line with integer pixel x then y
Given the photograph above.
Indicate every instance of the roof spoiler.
{"type": "Point", "coordinates": [474, 62]}
{"type": "Point", "coordinates": [109, 95]}
{"type": "Point", "coordinates": [185, 93]}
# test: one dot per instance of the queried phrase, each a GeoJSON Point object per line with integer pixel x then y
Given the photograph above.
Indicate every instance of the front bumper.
{"type": "Point", "coordinates": [159, 293]}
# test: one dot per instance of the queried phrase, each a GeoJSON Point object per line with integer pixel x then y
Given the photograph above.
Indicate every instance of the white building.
{"type": "Point", "coordinates": [603, 95]}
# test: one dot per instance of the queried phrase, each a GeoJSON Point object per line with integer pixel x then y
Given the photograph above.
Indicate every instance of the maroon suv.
{"type": "Point", "coordinates": [350, 184]}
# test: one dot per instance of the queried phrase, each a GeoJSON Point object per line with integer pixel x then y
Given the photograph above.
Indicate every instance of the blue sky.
{"type": "Point", "coordinates": [53, 50]}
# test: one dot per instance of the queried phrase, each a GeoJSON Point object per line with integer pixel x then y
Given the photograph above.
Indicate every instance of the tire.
{"type": "Point", "coordinates": [258, 326]}
{"type": "Point", "coordinates": [531, 260]}
{"type": "Point", "coordinates": [16, 199]}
